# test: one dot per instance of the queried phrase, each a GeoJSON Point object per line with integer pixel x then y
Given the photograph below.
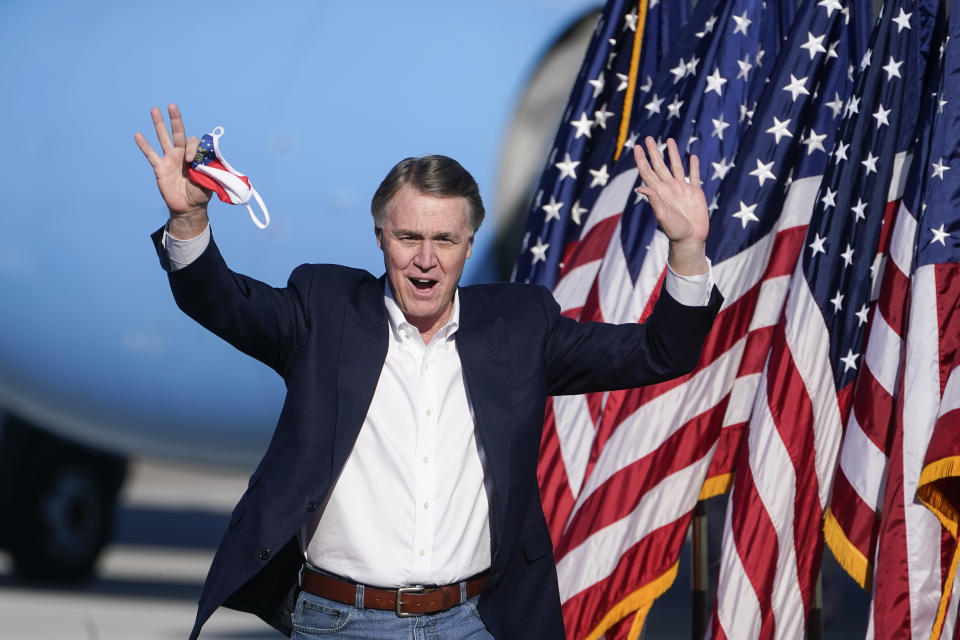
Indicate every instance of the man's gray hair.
{"type": "Point", "coordinates": [434, 175]}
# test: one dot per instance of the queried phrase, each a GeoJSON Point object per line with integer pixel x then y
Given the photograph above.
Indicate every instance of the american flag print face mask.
{"type": "Point", "coordinates": [210, 170]}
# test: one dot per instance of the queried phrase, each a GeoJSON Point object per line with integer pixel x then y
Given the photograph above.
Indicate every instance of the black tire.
{"type": "Point", "coordinates": [61, 497]}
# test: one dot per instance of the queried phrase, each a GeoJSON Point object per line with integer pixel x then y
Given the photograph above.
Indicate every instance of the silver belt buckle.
{"type": "Point", "coordinates": [402, 590]}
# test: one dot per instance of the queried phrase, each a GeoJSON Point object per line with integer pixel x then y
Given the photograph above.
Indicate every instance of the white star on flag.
{"type": "Point", "coordinates": [568, 167]}
{"type": "Point", "coordinates": [779, 129]}
{"type": "Point", "coordinates": [674, 107]}
{"type": "Point", "coordinates": [814, 141]}
{"type": "Point", "coordinates": [893, 69]}
{"type": "Point", "coordinates": [742, 22]}
{"type": "Point", "coordinates": [862, 314]}
{"type": "Point", "coordinates": [881, 116]}
{"type": "Point", "coordinates": [830, 6]}
{"type": "Point", "coordinates": [902, 20]}
{"type": "Point", "coordinates": [939, 168]}
{"type": "Point", "coordinates": [850, 360]}
{"type": "Point", "coordinates": [828, 199]}
{"type": "Point", "coordinates": [654, 105]}
{"type": "Point", "coordinates": [576, 212]}
{"type": "Point", "coordinates": [836, 105]}
{"type": "Point", "coordinates": [746, 214]}
{"type": "Point", "coordinates": [847, 256]}
{"type": "Point", "coordinates": [860, 209]}
{"type": "Point", "coordinates": [552, 209]}
{"type": "Point", "coordinates": [679, 72]}
{"type": "Point", "coordinates": [840, 151]}
{"type": "Point", "coordinates": [940, 235]}
{"type": "Point", "coordinates": [718, 126]}
{"type": "Point", "coordinates": [539, 251]}
{"type": "Point", "coordinates": [817, 245]}
{"type": "Point", "coordinates": [837, 301]}
{"type": "Point", "coordinates": [796, 87]}
{"type": "Point", "coordinates": [582, 126]}
{"type": "Point", "coordinates": [597, 84]}
{"type": "Point", "coordinates": [720, 169]}
{"type": "Point", "coordinates": [600, 176]}
{"type": "Point", "coordinates": [715, 82]}
{"type": "Point", "coordinates": [762, 172]}
{"type": "Point", "coordinates": [601, 115]}
{"type": "Point", "coordinates": [814, 44]}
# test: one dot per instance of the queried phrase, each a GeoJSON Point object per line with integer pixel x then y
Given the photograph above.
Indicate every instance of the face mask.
{"type": "Point", "coordinates": [210, 170]}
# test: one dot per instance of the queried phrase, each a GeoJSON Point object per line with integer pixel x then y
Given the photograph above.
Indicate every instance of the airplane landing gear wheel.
{"type": "Point", "coordinates": [61, 505]}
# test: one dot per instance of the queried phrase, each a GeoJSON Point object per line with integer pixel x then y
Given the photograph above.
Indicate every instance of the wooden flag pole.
{"type": "Point", "coordinates": [815, 619]}
{"type": "Point", "coordinates": [698, 567]}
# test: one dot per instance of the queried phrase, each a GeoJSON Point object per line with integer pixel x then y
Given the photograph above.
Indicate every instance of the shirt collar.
{"type": "Point", "coordinates": [401, 329]}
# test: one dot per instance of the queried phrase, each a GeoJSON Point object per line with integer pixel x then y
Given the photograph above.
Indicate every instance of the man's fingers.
{"type": "Point", "coordinates": [656, 160]}
{"type": "Point", "coordinates": [163, 136]}
{"type": "Point", "coordinates": [147, 150]}
{"type": "Point", "coordinates": [676, 165]}
{"type": "Point", "coordinates": [695, 170]}
{"type": "Point", "coordinates": [176, 125]}
{"type": "Point", "coordinates": [646, 172]}
{"type": "Point", "coordinates": [193, 143]}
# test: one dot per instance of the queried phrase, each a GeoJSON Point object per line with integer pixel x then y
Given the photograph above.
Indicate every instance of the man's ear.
{"type": "Point", "coordinates": [377, 231]}
{"type": "Point", "coordinates": [469, 247]}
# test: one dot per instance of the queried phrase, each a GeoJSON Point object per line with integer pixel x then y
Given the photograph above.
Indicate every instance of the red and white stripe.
{"type": "Point", "coordinates": [770, 554]}
{"type": "Point", "coordinates": [853, 522]}
{"type": "Point", "coordinates": [628, 486]}
{"type": "Point", "coordinates": [915, 551]}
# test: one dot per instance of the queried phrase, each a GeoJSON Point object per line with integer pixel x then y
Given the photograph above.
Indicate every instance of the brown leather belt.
{"type": "Point", "coordinates": [405, 601]}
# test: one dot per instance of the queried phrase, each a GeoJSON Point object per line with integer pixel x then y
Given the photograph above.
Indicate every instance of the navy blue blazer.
{"type": "Point", "coordinates": [326, 334]}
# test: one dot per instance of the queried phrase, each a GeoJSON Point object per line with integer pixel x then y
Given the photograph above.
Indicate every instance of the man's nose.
{"type": "Point", "coordinates": [426, 257]}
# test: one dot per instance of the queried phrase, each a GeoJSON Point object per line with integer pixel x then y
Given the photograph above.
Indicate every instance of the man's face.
{"type": "Point", "coordinates": [425, 241]}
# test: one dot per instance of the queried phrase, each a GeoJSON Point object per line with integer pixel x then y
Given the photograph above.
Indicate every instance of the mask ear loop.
{"type": "Point", "coordinates": [263, 207]}
{"type": "Point", "coordinates": [216, 133]}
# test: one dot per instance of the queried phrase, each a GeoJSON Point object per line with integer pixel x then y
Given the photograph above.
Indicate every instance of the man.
{"type": "Point", "coordinates": [406, 451]}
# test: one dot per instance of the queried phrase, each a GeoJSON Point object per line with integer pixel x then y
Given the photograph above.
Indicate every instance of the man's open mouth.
{"type": "Point", "coordinates": [422, 284]}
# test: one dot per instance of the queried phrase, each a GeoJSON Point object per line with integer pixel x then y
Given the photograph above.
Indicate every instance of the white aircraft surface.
{"type": "Point", "coordinates": [318, 100]}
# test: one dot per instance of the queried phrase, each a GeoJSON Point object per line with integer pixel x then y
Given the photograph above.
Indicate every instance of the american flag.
{"type": "Point", "coordinates": [772, 534]}
{"type": "Point", "coordinates": [852, 523]}
{"type": "Point", "coordinates": [620, 472]}
{"type": "Point", "coordinates": [917, 552]}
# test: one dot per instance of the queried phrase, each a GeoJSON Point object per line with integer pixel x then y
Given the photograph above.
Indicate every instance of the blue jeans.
{"type": "Point", "coordinates": [316, 617]}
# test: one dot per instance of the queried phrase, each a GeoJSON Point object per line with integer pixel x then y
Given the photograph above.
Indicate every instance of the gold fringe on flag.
{"type": "Point", "coordinates": [849, 557]}
{"type": "Point", "coordinates": [637, 603]}
{"type": "Point", "coordinates": [631, 80]}
{"type": "Point", "coordinates": [930, 495]}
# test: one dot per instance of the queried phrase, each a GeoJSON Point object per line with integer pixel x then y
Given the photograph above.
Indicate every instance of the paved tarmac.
{"type": "Point", "coordinates": [149, 579]}
{"type": "Point", "coordinates": [170, 521]}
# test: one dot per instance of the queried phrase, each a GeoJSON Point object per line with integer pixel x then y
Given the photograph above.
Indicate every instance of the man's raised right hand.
{"type": "Point", "coordinates": [186, 201]}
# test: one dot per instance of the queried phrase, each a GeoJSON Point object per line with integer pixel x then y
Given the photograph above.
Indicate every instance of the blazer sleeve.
{"type": "Point", "coordinates": [584, 357]}
{"type": "Point", "coordinates": [262, 321]}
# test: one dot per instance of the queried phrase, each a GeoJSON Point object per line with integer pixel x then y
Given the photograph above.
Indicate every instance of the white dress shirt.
{"type": "Point", "coordinates": [410, 505]}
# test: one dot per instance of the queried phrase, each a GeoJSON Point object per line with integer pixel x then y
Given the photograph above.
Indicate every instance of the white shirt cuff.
{"type": "Point", "coordinates": [692, 291]}
{"type": "Point", "coordinates": [180, 253]}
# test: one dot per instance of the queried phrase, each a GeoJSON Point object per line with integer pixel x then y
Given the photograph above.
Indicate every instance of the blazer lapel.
{"type": "Point", "coordinates": [482, 348]}
{"type": "Point", "coordinates": [362, 354]}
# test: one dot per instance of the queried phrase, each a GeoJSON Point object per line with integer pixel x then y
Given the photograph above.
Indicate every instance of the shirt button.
{"type": "Point", "coordinates": [428, 411]}
{"type": "Point", "coordinates": [426, 505]}
{"type": "Point", "coordinates": [426, 459]}
{"type": "Point", "coordinates": [311, 506]}
{"type": "Point", "coordinates": [425, 367]}
{"type": "Point", "coordinates": [264, 553]}
{"type": "Point", "coordinates": [422, 552]}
